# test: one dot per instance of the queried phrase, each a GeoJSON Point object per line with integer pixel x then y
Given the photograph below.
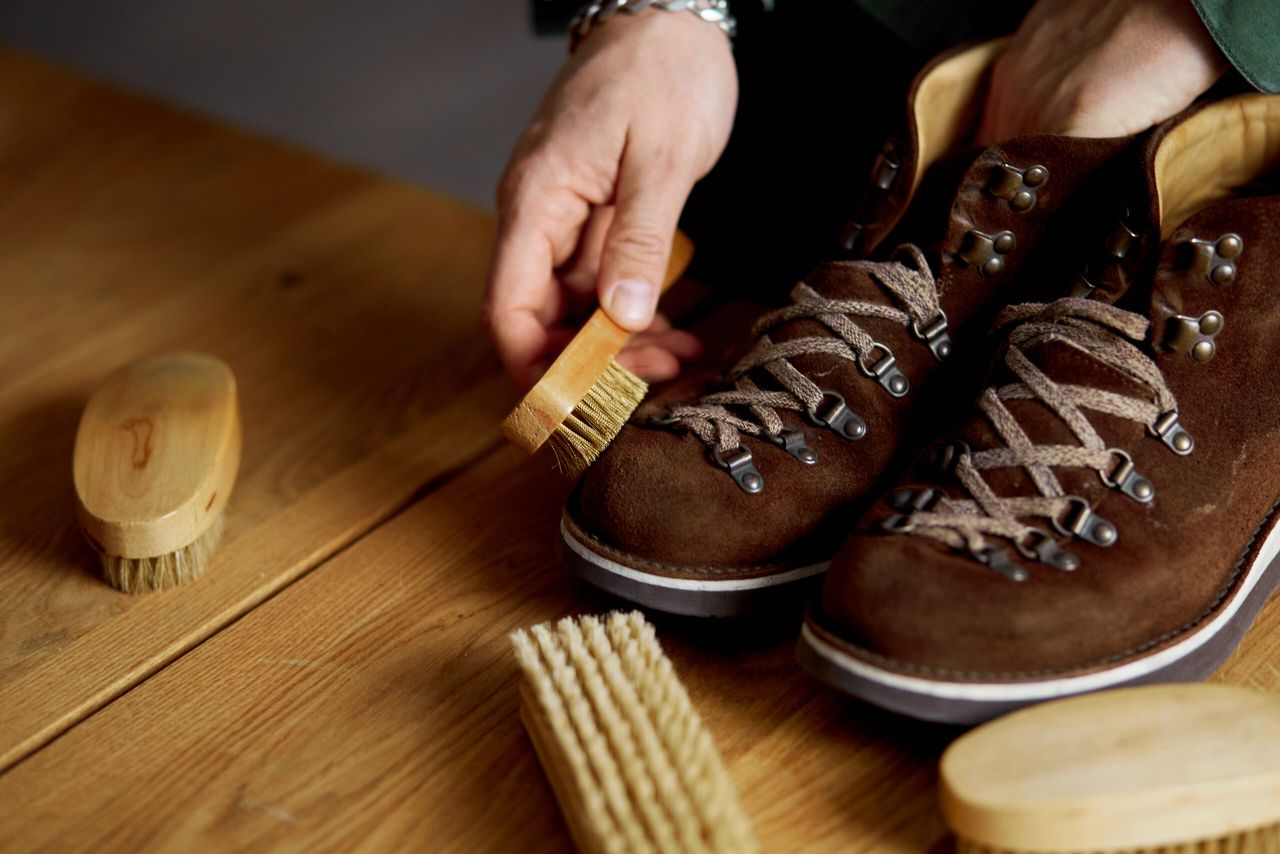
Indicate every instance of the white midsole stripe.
{"type": "Point", "coordinates": [719, 586]}
{"type": "Point", "coordinates": [995, 692]}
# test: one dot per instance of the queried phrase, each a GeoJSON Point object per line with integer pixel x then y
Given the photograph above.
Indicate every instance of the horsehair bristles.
{"type": "Point", "coordinates": [613, 764]}
{"type": "Point", "coordinates": [702, 773]}
{"type": "Point", "coordinates": [596, 420]}
{"type": "Point", "coordinates": [648, 791]}
{"type": "Point", "coordinates": [555, 715]}
{"type": "Point", "coordinates": [608, 700]}
{"type": "Point", "coordinates": [631, 762]}
{"type": "Point", "coordinates": [604, 770]}
{"type": "Point", "coordinates": [162, 572]}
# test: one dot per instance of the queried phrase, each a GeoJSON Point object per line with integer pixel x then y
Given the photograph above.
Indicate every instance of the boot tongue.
{"type": "Point", "coordinates": [1117, 269]}
{"type": "Point", "coordinates": [925, 225]}
{"type": "Point", "coordinates": [928, 217]}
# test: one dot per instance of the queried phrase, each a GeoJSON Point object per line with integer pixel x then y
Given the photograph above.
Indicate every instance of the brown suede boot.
{"type": "Point", "coordinates": [711, 507]}
{"type": "Point", "coordinates": [1109, 515]}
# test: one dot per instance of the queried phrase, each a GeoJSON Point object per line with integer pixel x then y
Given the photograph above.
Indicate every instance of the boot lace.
{"type": "Point", "coordinates": [721, 419]}
{"type": "Point", "coordinates": [1104, 333]}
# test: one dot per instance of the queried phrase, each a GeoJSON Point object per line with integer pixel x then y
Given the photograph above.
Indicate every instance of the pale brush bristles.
{"type": "Point", "coordinates": [148, 574]}
{"type": "Point", "coordinates": [597, 419]}
{"type": "Point", "coordinates": [1264, 840]}
{"type": "Point", "coordinates": [632, 765]}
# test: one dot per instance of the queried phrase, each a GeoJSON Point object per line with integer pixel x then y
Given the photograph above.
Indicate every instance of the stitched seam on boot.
{"type": "Point", "coordinates": [640, 562]}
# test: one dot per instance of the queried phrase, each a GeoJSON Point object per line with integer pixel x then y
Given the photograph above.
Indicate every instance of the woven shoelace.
{"type": "Point", "coordinates": [909, 281]}
{"type": "Point", "coordinates": [1104, 333]}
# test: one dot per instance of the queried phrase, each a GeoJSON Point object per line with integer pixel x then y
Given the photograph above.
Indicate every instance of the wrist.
{"type": "Point", "coordinates": [707, 13]}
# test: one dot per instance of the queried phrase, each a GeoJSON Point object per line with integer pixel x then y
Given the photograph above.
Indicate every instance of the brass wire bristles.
{"type": "Point", "coordinates": [596, 420]}
{"type": "Point", "coordinates": [585, 398]}
{"type": "Point", "coordinates": [631, 764]}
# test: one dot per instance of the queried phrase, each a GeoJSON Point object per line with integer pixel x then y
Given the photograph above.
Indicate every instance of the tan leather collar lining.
{"type": "Point", "coordinates": [948, 102]}
{"type": "Point", "coordinates": [1213, 153]}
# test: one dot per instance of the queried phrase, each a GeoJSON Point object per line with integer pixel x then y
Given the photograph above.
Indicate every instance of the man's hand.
{"type": "Point", "coordinates": [1099, 68]}
{"type": "Point", "coordinates": [592, 194]}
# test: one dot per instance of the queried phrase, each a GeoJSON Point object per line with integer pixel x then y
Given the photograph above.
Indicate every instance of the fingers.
{"type": "Point", "coordinates": [652, 190]}
{"type": "Point", "coordinates": [651, 364]}
{"type": "Point", "coordinates": [539, 223]}
{"type": "Point", "coordinates": [683, 345]}
{"type": "Point", "coordinates": [578, 276]}
{"type": "Point", "coordinates": [655, 355]}
{"type": "Point", "coordinates": [521, 293]}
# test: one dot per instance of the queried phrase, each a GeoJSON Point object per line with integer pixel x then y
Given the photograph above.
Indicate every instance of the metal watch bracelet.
{"type": "Point", "coordinates": [598, 11]}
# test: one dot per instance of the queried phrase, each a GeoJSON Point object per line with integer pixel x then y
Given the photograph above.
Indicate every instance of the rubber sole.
{"type": "Point", "coordinates": [1191, 659]}
{"type": "Point", "coordinates": [692, 597]}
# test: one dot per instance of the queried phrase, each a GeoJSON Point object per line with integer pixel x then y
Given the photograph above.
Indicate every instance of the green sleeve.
{"type": "Point", "coordinates": [1248, 31]}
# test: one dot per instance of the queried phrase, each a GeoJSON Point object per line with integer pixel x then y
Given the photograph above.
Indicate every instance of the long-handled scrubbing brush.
{"type": "Point", "coordinates": [631, 764]}
{"type": "Point", "coordinates": [585, 397]}
{"type": "Point", "coordinates": [155, 460]}
{"type": "Point", "coordinates": [1174, 769]}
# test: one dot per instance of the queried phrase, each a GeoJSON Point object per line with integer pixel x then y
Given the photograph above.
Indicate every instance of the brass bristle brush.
{"type": "Point", "coordinates": [155, 461]}
{"type": "Point", "coordinates": [1162, 769]}
{"type": "Point", "coordinates": [629, 760]}
{"type": "Point", "coordinates": [585, 397]}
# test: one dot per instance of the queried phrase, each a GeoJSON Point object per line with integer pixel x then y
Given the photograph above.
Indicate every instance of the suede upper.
{"type": "Point", "coordinates": [915, 605]}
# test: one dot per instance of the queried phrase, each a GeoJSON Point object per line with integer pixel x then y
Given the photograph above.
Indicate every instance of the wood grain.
{"type": "Point", "coordinates": [375, 702]}
{"type": "Point", "coordinates": [346, 305]}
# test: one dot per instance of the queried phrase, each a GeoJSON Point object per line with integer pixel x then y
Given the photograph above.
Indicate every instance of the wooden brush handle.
{"type": "Point", "coordinates": [156, 454]}
{"type": "Point", "coordinates": [582, 363]}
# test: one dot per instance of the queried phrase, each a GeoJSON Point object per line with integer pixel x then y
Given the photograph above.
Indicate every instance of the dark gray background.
{"type": "Point", "coordinates": [431, 91]}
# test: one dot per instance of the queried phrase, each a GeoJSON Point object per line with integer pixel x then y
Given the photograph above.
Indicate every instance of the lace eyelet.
{"type": "Point", "coordinates": [999, 560]}
{"type": "Point", "coordinates": [1047, 550]}
{"type": "Point", "coordinates": [741, 469]}
{"type": "Point", "coordinates": [898, 523]}
{"type": "Point", "coordinates": [915, 500]}
{"type": "Point", "coordinates": [832, 412]}
{"type": "Point", "coordinates": [1173, 434]}
{"type": "Point", "coordinates": [657, 421]}
{"type": "Point", "coordinates": [885, 370]}
{"type": "Point", "coordinates": [1124, 477]}
{"type": "Point", "coordinates": [792, 441]}
{"type": "Point", "coordinates": [935, 336]}
{"type": "Point", "coordinates": [1079, 520]}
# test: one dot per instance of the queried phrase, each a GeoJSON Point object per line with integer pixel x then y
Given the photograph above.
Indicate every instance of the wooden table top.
{"type": "Point", "coordinates": [341, 677]}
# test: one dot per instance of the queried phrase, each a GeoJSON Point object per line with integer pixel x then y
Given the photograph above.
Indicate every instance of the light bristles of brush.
{"type": "Point", "coordinates": [632, 765]}
{"type": "Point", "coordinates": [166, 571]}
{"type": "Point", "coordinates": [1263, 840]}
{"type": "Point", "coordinates": [597, 419]}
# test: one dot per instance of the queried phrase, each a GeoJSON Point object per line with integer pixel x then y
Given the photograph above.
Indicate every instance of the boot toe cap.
{"type": "Point", "coordinates": [919, 607]}
{"type": "Point", "coordinates": [657, 496]}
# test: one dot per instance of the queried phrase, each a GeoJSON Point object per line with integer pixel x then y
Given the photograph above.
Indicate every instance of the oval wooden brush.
{"type": "Point", "coordinates": [585, 397]}
{"type": "Point", "coordinates": [155, 461]}
{"type": "Point", "coordinates": [1165, 768]}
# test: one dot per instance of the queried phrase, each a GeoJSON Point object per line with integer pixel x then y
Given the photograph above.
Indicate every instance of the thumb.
{"type": "Point", "coordinates": [633, 262]}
